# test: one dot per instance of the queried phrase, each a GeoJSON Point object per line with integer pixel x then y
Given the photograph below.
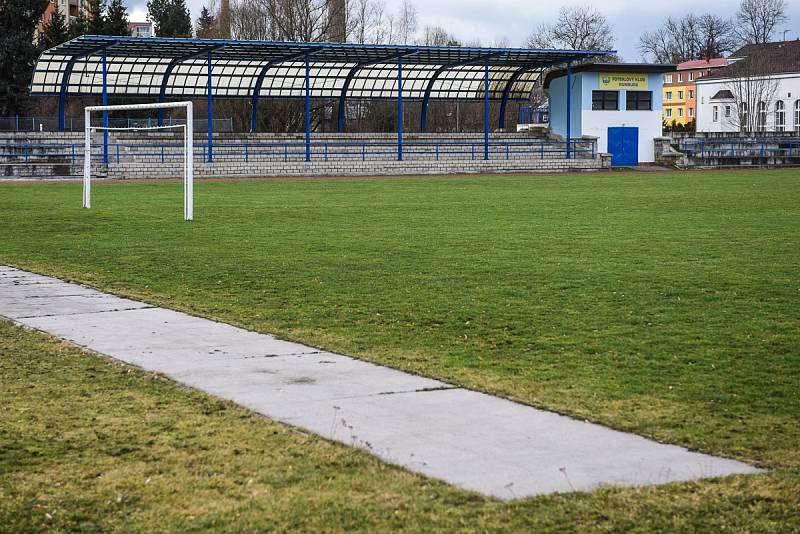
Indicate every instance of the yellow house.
{"type": "Point", "coordinates": [679, 98]}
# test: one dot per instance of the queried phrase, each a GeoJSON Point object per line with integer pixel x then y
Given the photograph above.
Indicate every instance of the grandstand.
{"type": "Point", "coordinates": [158, 69]}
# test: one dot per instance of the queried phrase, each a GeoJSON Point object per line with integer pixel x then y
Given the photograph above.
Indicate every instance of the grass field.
{"type": "Point", "coordinates": [667, 304]}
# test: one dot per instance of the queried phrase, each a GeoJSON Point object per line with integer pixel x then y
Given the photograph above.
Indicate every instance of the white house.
{"type": "Point", "coordinates": [619, 104]}
{"type": "Point", "coordinates": [758, 91]}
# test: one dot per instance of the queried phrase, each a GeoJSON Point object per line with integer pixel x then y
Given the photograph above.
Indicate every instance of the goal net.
{"type": "Point", "coordinates": [188, 147]}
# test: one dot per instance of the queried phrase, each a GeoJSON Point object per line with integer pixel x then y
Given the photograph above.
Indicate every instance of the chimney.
{"type": "Point", "coordinates": [337, 21]}
{"type": "Point", "coordinates": [225, 19]}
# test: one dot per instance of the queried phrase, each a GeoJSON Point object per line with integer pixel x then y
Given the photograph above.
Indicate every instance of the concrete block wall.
{"type": "Point", "coordinates": [148, 162]}
{"type": "Point", "coordinates": [354, 168]}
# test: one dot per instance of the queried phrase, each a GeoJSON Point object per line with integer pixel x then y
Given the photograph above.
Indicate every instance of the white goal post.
{"type": "Point", "coordinates": [188, 148]}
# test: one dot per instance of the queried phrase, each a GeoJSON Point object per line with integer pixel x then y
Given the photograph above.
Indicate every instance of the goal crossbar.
{"type": "Point", "coordinates": [188, 145]}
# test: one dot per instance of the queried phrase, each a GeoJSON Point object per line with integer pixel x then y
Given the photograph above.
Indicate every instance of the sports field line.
{"type": "Point", "coordinates": [469, 439]}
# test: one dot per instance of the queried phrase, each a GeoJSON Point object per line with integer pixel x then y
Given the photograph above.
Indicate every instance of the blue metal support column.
{"type": "Point", "coordinates": [62, 93]}
{"type": "Point", "coordinates": [486, 112]}
{"type": "Point", "coordinates": [340, 123]}
{"type": "Point", "coordinates": [423, 121]}
{"type": "Point", "coordinates": [260, 82]}
{"type": "Point", "coordinates": [569, 108]}
{"type": "Point", "coordinates": [210, 117]}
{"type": "Point", "coordinates": [105, 112]}
{"type": "Point", "coordinates": [506, 93]}
{"type": "Point", "coordinates": [308, 110]}
{"type": "Point", "coordinates": [399, 109]}
{"type": "Point", "coordinates": [162, 92]}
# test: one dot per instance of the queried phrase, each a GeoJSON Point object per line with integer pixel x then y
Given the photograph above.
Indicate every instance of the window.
{"type": "Point", "coordinates": [668, 78]}
{"type": "Point", "coordinates": [680, 95]}
{"type": "Point", "coordinates": [797, 115]}
{"type": "Point", "coordinates": [669, 112]}
{"type": "Point", "coordinates": [680, 78]}
{"type": "Point", "coordinates": [691, 94]}
{"type": "Point", "coordinates": [691, 112]}
{"type": "Point", "coordinates": [780, 116]}
{"type": "Point", "coordinates": [727, 112]}
{"type": "Point", "coordinates": [639, 100]}
{"type": "Point", "coordinates": [680, 112]}
{"type": "Point", "coordinates": [743, 126]}
{"type": "Point", "coordinates": [669, 95]}
{"type": "Point", "coordinates": [691, 76]}
{"type": "Point", "coordinates": [715, 113]}
{"type": "Point", "coordinates": [762, 117]}
{"type": "Point", "coordinates": [605, 100]}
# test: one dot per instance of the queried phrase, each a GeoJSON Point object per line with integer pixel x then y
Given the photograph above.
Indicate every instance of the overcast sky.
{"type": "Point", "coordinates": [494, 20]}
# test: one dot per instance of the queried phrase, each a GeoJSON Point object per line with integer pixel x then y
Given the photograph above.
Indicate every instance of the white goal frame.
{"type": "Point", "coordinates": [188, 148]}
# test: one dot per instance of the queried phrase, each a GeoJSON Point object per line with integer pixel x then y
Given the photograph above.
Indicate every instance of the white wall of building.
{"type": "Point", "coordinates": [585, 121]}
{"type": "Point", "coordinates": [597, 123]}
{"type": "Point", "coordinates": [788, 91]}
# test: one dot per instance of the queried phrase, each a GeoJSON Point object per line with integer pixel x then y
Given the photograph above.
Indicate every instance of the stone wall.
{"type": "Point", "coordinates": [352, 168]}
{"type": "Point", "coordinates": [268, 155]}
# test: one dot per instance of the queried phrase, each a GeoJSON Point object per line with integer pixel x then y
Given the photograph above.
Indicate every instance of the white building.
{"type": "Point", "coordinates": [619, 104]}
{"type": "Point", "coordinates": [761, 79]}
{"type": "Point", "coordinates": [141, 29]}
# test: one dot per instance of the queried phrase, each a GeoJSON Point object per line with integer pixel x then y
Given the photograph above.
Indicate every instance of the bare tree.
{"type": "Point", "coordinates": [756, 19]}
{"type": "Point", "coordinates": [438, 36]}
{"type": "Point", "coordinates": [406, 22]}
{"type": "Point", "coordinates": [281, 20]}
{"type": "Point", "coordinates": [576, 28]}
{"type": "Point", "coordinates": [689, 37]}
{"type": "Point", "coordinates": [715, 37]}
{"type": "Point", "coordinates": [753, 89]}
{"type": "Point", "coordinates": [362, 20]}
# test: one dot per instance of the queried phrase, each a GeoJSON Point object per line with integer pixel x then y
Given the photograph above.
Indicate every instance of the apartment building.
{"type": "Point", "coordinates": [680, 89]}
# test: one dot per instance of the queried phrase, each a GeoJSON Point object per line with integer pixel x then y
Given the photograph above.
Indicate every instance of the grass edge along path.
{"type": "Point", "coordinates": [88, 443]}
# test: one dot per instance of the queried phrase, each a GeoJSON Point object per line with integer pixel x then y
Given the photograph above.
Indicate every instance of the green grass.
{"type": "Point", "coordinates": [89, 445]}
{"type": "Point", "coordinates": [666, 303]}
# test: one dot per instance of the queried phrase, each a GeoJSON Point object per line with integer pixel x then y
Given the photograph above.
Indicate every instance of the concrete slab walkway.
{"type": "Point", "coordinates": [475, 441]}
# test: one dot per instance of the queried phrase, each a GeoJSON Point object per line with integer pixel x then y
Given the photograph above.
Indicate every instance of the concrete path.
{"type": "Point", "coordinates": [469, 439]}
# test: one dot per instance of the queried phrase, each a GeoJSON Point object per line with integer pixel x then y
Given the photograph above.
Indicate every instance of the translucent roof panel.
{"type": "Point", "coordinates": [179, 68]}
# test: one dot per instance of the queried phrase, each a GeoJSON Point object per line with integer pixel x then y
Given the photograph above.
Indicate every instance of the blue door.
{"type": "Point", "coordinates": [623, 145]}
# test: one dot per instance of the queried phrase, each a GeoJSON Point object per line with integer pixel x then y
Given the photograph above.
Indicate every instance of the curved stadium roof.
{"type": "Point", "coordinates": [162, 67]}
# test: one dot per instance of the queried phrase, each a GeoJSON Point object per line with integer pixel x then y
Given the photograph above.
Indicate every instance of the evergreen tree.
{"type": "Point", "coordinates": [18, 52]}
{"type": "Point", "coordinates": [54, 32]}
{"type": "Point", "coordinates": [206, 24]}
{"type": "Point", "coordinates": [116, 19]}
{"type": "Point", "coordinates": [79, 25]}
{"type": "Point", "coordinates": [170, 17]}
{"type": "Point", "coordinates": [96, 17]}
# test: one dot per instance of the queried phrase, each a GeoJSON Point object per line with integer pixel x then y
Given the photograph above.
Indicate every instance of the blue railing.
{"type": "Point", "coordinates": [292, 150]}
{"type": "Point", "coordinates": [742, 148]}
{"type": "Point", "coordinates": [532, 115]}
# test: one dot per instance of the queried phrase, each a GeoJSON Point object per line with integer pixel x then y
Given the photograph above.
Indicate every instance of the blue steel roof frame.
{"type": "Point", "coordinates": [136, 67]}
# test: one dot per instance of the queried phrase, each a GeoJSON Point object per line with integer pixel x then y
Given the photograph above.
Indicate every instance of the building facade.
{"type": "Point", "coordinates": [680, 90]}
{"type": "Point", "coordinates": [619, 104]}
{"type": "Point", "coordinates": [68, 8]}
{"type": "Point", "coordinates": [759, 91]}
{"type": "Point", "coordinates": [141, 29]}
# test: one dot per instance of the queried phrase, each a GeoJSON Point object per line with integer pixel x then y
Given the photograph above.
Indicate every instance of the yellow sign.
{"type": "Point", "coordinates": [623, 80]}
